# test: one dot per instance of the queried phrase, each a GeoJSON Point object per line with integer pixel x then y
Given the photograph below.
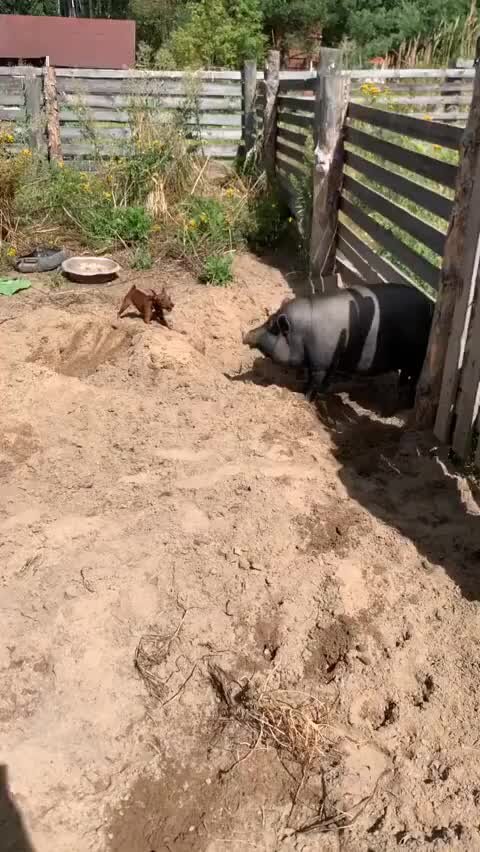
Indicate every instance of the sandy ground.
{"type": "Point", "coordinates": [167, 497]}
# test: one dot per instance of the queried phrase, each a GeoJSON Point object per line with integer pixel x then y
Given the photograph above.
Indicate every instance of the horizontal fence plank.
{"type": "Point", "coordinates": [290, 169]}
{"type": "Point", "coordinates": [12, 100]}
{"type": "Point", "coordinates": [20, 71]}
{"type": "Point", "coordinates": [407, 256]}
{"type": "Point", "coordinates": [424, 100]}
{"type": "Point", "coordinates": [349, 276]}
{"type": "Point", "coordinates": [370, 264]}
{"type": "Point", "coordinates": [84, 149]}
{"type": "Point", "coordinates": [432, 201]}
{"type": "Point", "coordinates": [426, 131]}
{"type": "Point", "coordinates": [12, 114]}
{"type": "Point", "coordinates": [119, 116]}
{"type": "Point", "coordinates": [137, 74]}
{"type": "Point", "coordinates": [149, 87]}
{"type": "Point", "coordinates": [306, 84]}
{"type": "Point", "coordinates": [102, 132]}
{"type": "Point", "coordinates": [297, 120]}
{"type": "Point", "coordinates": [411, 74]}
{"type": "Point", "coordinates": [292, 153]}
{"type": "Point", "coordinates": [420, 164]}
{"type": "Point", "coordinates": [445, 115]}
{"type": "Point", "coordinates": [417, 228]}
{"type": "Point", "coordinates": [296, 104]}
{"type": "Point", "coordinates": [283, 134]}
{"type": "Point", "coordinates": [419, 87]}
{"type": "Point", "coordinates": [157, 103]}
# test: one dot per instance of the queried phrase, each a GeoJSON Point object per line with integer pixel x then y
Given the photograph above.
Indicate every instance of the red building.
{"type": "Point", "coordinates": [68, 42]}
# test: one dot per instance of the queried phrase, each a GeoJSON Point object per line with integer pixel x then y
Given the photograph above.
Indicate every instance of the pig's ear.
{"type": "Point", "coordinates": [283, 323]}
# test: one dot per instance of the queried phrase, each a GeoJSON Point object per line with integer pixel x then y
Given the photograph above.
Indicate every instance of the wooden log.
{"type": "Point", "coordinates": [116, 74]}
{"type": "Point", "coordinates": [437, 204]}
{"type": "Point", "coordinates": [52, 115]}
{"type": "Point", "coordinates": [330, 108]}
{"type": "Point", "coordinates": [249, 116]}
{"type": "Point", "coordinates": [33, 110]}
{"type": "Point", "coordinates": [438, 383]}
{"type": "Point", "coordinates": [272, 79]}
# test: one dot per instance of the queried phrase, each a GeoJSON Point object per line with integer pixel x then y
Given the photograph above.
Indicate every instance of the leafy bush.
{"type": "Point", "coordinates": [217, 270]}
{"type": "Point", "coordinates": [267, 221]}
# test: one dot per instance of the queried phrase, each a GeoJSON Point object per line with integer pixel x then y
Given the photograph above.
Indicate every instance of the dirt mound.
{"type": "Point", "coordinates": [81, 347]}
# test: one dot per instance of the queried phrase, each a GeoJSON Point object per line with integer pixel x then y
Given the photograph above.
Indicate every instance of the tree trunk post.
{"type": "Point", "coordinates": [272, 80]}
{"type": "Point", "coordinates": [331, 102]}
{"type": "Point", "coordinates": [51, 109]}
{"type": "Point", "coordinates": [249, 95]}
{"type": "Point", "coordinates": [438, 383]}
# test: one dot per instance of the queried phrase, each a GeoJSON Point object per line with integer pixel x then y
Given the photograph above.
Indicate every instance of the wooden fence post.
{"type": "Point", "coordinates": [249, 95]}
{"type": "Point", "coordinates": [331, 102]}
{"type": "Point", "coordinates": [272, 80]}
{"type": "Point", "coordinates": [33, 110]}
{"type": "Point", "coordinates": [52, 116]}
{"type": "Point", "coordinates": [438, 384]}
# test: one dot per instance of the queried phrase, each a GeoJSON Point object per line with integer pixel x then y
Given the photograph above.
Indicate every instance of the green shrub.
{"type": "Point", "coordinates": [217, 270]}
{"type": "Point", "coordinates": [268, 218]}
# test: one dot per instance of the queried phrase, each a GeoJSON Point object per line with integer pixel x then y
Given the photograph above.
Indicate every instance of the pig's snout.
{"type": "Point", "coordinates": [249, 338]}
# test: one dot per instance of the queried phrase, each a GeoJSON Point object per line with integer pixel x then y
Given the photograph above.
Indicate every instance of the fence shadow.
{"type": "Point", "coordinates": [399, 477]}
{"type": "Point", "coordinates": [13, 835]}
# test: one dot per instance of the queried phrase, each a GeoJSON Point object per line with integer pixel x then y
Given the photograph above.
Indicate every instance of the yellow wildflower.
{"type": "Point", "coordinates": [203, 217]}
{"type": "Point", "coordinates": [11, 252]}
{"type": "Point", "coordinates": [61, 164]}
{"type": "Point", "coordinates": [25, 152]}
{"type": "Point", "coordinates": [192, 223]}
{"type": "Point", "coordinates": [428, 118]}
{"type": "Point", "coordinates": [107, 194]}
{"type": "Point", "coordinates": [230, 192]}
{"type": "Point", "coordinates": [437, 147]}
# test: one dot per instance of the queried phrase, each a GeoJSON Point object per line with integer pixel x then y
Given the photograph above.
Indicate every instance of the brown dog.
{"type": "Point", "coordinates": [148, 303]}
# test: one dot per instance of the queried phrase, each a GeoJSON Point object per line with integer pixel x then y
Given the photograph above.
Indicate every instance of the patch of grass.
{"type": "Point", "coordinates": [217, 270]}
{"type": "Point", "coordinates": [142, 258]}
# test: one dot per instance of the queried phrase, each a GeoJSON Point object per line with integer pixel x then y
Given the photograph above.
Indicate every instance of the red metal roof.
{"type": "Point", "coordinates": [69, 42]}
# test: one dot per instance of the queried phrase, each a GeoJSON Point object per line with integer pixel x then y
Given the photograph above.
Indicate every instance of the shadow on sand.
{"type": "Point", "coordinates": [13, 835]}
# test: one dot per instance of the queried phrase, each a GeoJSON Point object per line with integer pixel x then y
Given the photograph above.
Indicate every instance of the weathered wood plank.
{"type": "Point", "coordinates": [34, 111]}
{"type": "Point", "coordinates": [437, 387]}
{"type": "Point", "coordinates": [295, 119]}
{"type": "Point", "coordinates": [249, 115]}
{"type": "Point", "coordinates": [12, 114]}
{"type": "Point", "coordinates": [417, 87]}
{"type": "Point", "coordinates": [115, 74]}
{"type": "Point", "coordinates": [12, 100]}
{"type": "Point", "coordinates": [296, 104]}
{"type": "Point", "coordinates": [19, 71]}
{"type": "Point", "coordinates": [409, 258]}
{"type": "Point", "coordinates": [84, 149]}
{"type": "Point", "coordinates": [370, 265]}
{"type": "Point", "coordinates": [426, 100]}
{"type": "Point", "coordinates": [104, 132]}
{"type": "Point", "coordinates": [467, 402]}
{"type": "Point", "coordinates": [445, 116]}
{"type": "Point", "coordinates": [285, 135]}
{"type": "Point", "coordinates": [412, 73]}
{"type": "Point", "coordinates": [418, 229]}
{"type": "Point", "coordinates": [149, 87]}
{"type": "Point", "coordinates": [432, 201]}
{"type": "Point", "coordinates": [349, 276]}
{"type": "Point", "coordinates": [306, 84]}
{"type": "Point", "coordinates": [427, 167]}
{"type": "Point", "coordinates": [290, 168]}
{"type": "Point", "coordinates": [289, 151]}
{"type": "Point", "coordinates": [52, 115]}
{"type": "Point", "coordinates": [153, 103]}
{"type": "Point", "coordinates": [427, 131]}
{"type": "Point", "coordinates": [122, 117]}
{"type": "Point", "coordinates": [272, 76]}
